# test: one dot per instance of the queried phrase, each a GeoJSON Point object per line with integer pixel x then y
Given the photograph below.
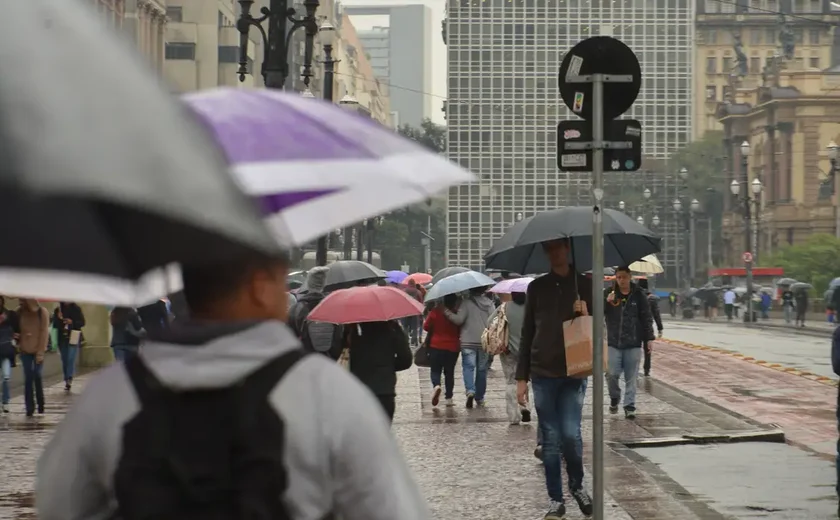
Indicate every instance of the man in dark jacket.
{"type": "Point", "coordinates": [629, 326]}
{"type": "Point", "coordinates": [324, 338]}
{"type": "Point", "coordinates": [835, 364]}
{"type": "Point", "coordinates": [653, 302]}
{"type": "Point", "coordinates": [552, 299]}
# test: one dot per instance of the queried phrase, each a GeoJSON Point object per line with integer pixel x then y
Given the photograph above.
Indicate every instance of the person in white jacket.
{"type": "Point", "coordinates": [338, 451]}
{"type": "Point", "coordinates": [472, 317]}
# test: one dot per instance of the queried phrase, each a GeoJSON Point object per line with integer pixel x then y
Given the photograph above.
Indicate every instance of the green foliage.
{"type": "Point", "coordinates": [430, 135]}
{"type": "Point", "coordinates": [814, 261]}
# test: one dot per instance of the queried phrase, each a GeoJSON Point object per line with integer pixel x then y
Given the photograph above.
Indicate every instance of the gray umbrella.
{"type": "Point", "coordinates": [347, 273]}
{"type": "Point", "coordinates": [446, 272]}
{"type": "Point", "coordinates": [104, 171]}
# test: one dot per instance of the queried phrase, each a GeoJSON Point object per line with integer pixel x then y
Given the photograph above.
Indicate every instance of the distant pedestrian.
{"type": "Point", "coordinates": [471, 317]}
{"type": "Point", "coordinates": [835, 364]}
{"type": "Point", "coordinates": [787, 305]}
{"type": "Point", "coordinates": [321, 337]}
{"type": "Point", "coordinates": [126, 333]}
{"type": "Point", "coordinates": [69, 320]}
{"type": "Point", "coordinates": [766, 304]}
{"type": "Point", "coordinates": [34, 335]}
{"type": "Point", "coordinates": [9, 334]}
{"type": "Point", "coordinates": [712, 301]}
{"type": "Point", "coordinates": [513, 309]}
{"type": "Point", "coordinates": [672, 303]}
{"type": "Point", "coordinates": [444, 340]}
{"type": "Point", "coordinates": [629, 325]}
{"type": "Point", "coordinates": [552, 299]}
{"type": "Point", "coordinates": [729, 298]}
{"type": "Point", "coordinates": [801, 300]}
{"type": "Point", "coordinates": [653, 301]}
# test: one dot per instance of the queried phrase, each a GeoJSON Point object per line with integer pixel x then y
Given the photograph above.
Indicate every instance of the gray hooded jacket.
{"type": "Point", "coordinates": [339, 451]}
{"type": "Point", "coordinates": [472, 317]}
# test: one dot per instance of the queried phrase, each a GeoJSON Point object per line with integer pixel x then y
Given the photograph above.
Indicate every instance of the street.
{"type": "Point", "coordinates": [707, 444]}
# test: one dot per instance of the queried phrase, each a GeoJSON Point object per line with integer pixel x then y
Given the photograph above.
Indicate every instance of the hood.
{"type": "Point", "coordinates": [196, 355]}
{"type": "Point", "coordinates": [484, 303]}
{"type": "Point", "coordinates": [317, 279]}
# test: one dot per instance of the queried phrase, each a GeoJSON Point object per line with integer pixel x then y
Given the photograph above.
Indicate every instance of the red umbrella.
{"type": "Point", "coordinates": [365, 304]}
{"type": "Point", "coordinates": [421, 278]}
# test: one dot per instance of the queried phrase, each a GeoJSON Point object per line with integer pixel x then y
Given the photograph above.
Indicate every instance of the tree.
{"type": "Point", "coordinates": [813, 261]}
{"type": "Point", "coordinates": [430, 135]}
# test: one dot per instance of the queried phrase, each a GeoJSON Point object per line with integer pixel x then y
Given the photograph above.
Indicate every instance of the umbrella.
{"type": "Point", "coordinates": [365, 304]}
{"type": "Point", "coordinates": [786, 281]}
{"type": "Point", "coordinates": [520, 250]}
{"type": "Point", "coordinates": [316, 166]}
{"type": "Point", "coordinates": [345, 273]}
{"type": "Point", "coordinates": [107, 175]}
{"type": "Point", "coordinates": [647, 265]}
{"type": "Point", "coordinates": [419, 278]}
{"type": "Point", "coordinates": [512, 285]}
{"type": "Point", "coordinates": [834, 283]}
{"type": "Point", "coordinates": [395, 276]}
{"type": "Point", "coordinates": [458, 283]}
{"type": "Point", "coordinates": [446, 272]}
{"type": "Point", "coordinates": [801, 286]}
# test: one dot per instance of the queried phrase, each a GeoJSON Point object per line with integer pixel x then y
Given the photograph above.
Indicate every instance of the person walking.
{"type": "Point", "coordinates": [34, 335]}
{"type": "Point", "coordinates": [551, 300]}
{"type": "Point", "coordinates": [801, 299]}
{"type": "Point", "coordinates": [629, 325]}
{"type": "Point", "coordinates": [672, 303]}
{"type": "Point", "coordinates": [512, 309]}
{"type": "Point", "coordinates": [787, 305]}
{"type": "Point", "coordinates": [729, 298]}
{"type": "Point", "coordinates": [378, 350]}
{"type": "Point", "coordinates": [68, 320]}
{"type": "Point", "coordinates": [471, 317]}
{"type": "Point", "coordinates": [230, 399]}
{"type": "Point", "coordinates": [324, 338]}
{"type": "Point", "coordinates": [126, 332]}
{"type": "Point", "coordinates": [9, 334]}
{"type": "Point", "coordinates": [653, 302]}
{"type": "Point", "coordinates": [443, 339]}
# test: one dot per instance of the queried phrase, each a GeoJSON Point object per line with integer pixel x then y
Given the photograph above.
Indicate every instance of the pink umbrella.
{"type": "Point", "coordinates": [512, 285]}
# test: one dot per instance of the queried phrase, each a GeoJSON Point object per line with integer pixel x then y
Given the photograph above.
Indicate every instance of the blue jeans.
{"type": "Point", "coordinates": [539, 431]}
{"type": "Point", "coordinates": [6, 370]}
{"type": "Point", "coordinates": [474, 364]}
{"type": "Point", "coordinates": [623, 361]}
{"type": "Point", "coordinates": [32, 383]}
{"type": "Point", "coordinates": [559, 404]}
{"type": "Point", "coordinates": [123, 353]}
{"type": "Point", "coordinates": [68, 359]}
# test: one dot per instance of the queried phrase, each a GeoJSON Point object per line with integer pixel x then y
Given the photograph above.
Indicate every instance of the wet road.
{"type": "Point", "coordinates": [803, 352]}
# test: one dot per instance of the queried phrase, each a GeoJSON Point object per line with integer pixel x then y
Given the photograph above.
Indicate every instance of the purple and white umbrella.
{"type": "Point", "coordinates": [513, 285]}
{"type": "Point", "coordinates": [316, 166]}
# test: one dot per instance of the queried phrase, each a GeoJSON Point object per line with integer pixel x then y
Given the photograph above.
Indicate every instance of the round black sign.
{"type": "Point", "coordinates": [600, 55]}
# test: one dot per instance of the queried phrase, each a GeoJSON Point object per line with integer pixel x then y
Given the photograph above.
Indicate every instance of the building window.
{"type": "Point", "coordinates": [770, 35]}
{"type": "Point", "coordinates": [711, 92]}
{"type": "Point", "coordinates": [755, 36]}
{"type": "Point", "coordinates": [228, 54]}
{"type": "Point", "coordinates": [726, 64]}
{"type": "Point", "coordinates": [814, 36]}
{"type": "Point", "coordinates": [175, 14]}
{"type": "Point", "coordinates": [711, 65]}
{"type": "Point", "coordinates": [755, 65]}
{"type": "Point", "coordinates": [814, 62]}
{"type": "Point", "coordinates": [712, 36]}
{"type": "Point", "coordinates": [180, 51]}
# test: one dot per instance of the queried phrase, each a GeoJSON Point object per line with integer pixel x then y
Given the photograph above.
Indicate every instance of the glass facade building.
{"type": "Point", "coordinates": [503, 103]}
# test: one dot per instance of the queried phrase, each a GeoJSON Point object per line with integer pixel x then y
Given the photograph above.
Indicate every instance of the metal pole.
{"type": "Point", "coordinates": [360, 246]}
{"type": "Point", "coordinates": [692, 249]}
{"type": "Point", "coordinates": [836, 195]}
{"type": "Point", "coordinates": [709, 242]}
{"type": "Point", "coordinates": [329, 70]}
{"type": "Point", "coordinates": [747, 244]}
{"type": "Point", "coordinates": [348, 243]}
{"type": "Point", "coordinates": [597, 298]}
{"type": "Point", "coordinates": [427, 246]}
{"type": "Point", "coordinates": [677, 249]}
{"type": "Point", "coordinates": [369, 237]}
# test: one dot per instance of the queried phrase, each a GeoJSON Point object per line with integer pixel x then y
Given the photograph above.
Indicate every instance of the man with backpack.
{"type": "Point", "coordinates": [324, 338]}
{"type": "Point", "coordinates": [224, 417]}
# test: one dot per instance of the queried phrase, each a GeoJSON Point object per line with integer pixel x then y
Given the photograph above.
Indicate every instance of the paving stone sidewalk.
{"type": "Point", "coordinates": [804, 409]}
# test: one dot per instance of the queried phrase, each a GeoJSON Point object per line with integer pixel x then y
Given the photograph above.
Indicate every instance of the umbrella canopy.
{"type": "Point", "coordinates": [785, 282]}
{"type": "Point", "coordinates": [647, 265]}
{"type": "Point", "coordinates": [395, 276]}
{"type": "Point", "coordinates": [345, 273]}
{"type": "Point", "coordinates": [419, 278]}
{"type": "Point", "coordinates": [834, 283]}
{"type": "Point", "coordinates": [316, 166]}
{"type": "Point", "coordinates": [458, 283]}
{"type": "Point", "coordinates": [513, 285]}
{"type": "Point", "coordinates": [107, 175]}
{"type": "Point", "coordinates": [801, 286]}
{"type": "Point", "coordinates": [365, 304]}
{"type": "Point", "coordinates": [446, 272]}
{"type": "Point", "coordinates": [520, 249]}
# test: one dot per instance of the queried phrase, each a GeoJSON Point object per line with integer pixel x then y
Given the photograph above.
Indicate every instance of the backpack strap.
{"type": "Point", "coordinates": [263, 380]}
{"type": "Point", "coordinates": [145, 383]}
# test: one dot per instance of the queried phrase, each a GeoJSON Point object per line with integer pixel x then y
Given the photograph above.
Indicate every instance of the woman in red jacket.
{"type": "Point", "coordinates": [444, 346]}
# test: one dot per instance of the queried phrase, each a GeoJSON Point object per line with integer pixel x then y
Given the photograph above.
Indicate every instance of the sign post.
{"type": "Point", "coordinates": [748, 261]}
{"type": "Point", "coordinates": [596, 67]}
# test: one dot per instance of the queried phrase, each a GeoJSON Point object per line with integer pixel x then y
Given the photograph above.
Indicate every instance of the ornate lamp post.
{"type": "Point", "coordinates": [833, 155]}
{"type": "Point", "coordinates": [328, 34]}
{"type": "Point", "coordinates": [275, 67]}
{"type": "Point", "coordinates": [621, 205]}
{"type": "Point", "coordinates": [750, 203]}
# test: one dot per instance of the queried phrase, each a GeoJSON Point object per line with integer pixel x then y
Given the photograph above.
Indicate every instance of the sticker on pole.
{"type": "Point", "coordinates": [578, 105]}
{"type": "Point", "coordinates": [747, 257]}
{"type": "Point", "coordinates": [573, 160]}
{"type": "Point", "coordinates": [574, 67]}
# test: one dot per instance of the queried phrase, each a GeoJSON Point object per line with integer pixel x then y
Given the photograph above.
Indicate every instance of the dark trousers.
{"type": "Point", "coordinates": [800, 315]}
{"type": "Point", "coordinates": [728, 308]}
{"type": "Point", "coordinates": [32, 383]}
{"type": "Point", "coordinates": [389, 404]}
{"type": "Point", "coordinates": [648, 351]}
{"type": "Point", "coordinates": [443, 361]}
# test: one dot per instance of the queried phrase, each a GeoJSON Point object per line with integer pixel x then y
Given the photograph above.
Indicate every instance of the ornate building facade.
{"type": "Point", "coordinates": [148, 27]}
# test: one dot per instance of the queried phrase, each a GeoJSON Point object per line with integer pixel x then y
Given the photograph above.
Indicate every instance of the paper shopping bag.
{"type": "Point", "coordinates": [577, 336]}
{"type": "Point", "coordinates": [75, 337]}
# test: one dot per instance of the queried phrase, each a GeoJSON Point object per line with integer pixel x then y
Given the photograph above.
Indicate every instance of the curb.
{"type": "Point", "coordinates": [776, 436]}
{"type": "Point", "coordinates": [775, 366]}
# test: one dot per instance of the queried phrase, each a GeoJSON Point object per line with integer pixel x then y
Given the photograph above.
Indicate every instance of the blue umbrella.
{"type": "Point", "coordinates": [458, 283]}
{"type": "Point", "coordinates": [395, 276]}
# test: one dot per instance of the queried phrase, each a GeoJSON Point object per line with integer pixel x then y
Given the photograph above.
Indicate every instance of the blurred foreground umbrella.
{"type": "Point", "coordinates": [346, 273]}
{"type": "Point", "coordinates": [801, 286]}
{"type": "Point", "coordinates": [512, 285]}
{"type": "Point", "coordinates": [418, 278]}
{"type": "Point", "coordinates": [520, 248]}
{"type": "Point", "coordinates": [647, 265]}
{"type": "Point", "coordinates": [103, 174]}
{"type": "Point", "coordinates": [316, 166]}
{"type": "Point", "coordinates": [447, 272]}
{"type": "Point", "coordinates": [786, 282]}
{"type": "Point", "coordinates": [365, 304]}
{"type": "Point", "coordinates": [458, 283]}
{"type": "Point", "coordinates": [396, 276]}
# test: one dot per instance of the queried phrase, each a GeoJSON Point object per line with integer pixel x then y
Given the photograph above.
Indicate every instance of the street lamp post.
{"type": "Point", "coordinates": [833, 153]}
{"type": "Point", "coordinates": [621, 205]}
{"type": "Point", "coordinates": [749, 202]}
{"type": "Point", "coordinates": [275, 66]}
{"type": "Point", "coordinates": [328, 34]}
{"type": "Point", "coordinates": [692, 237]}
{"type": "Point", "coordinates": [370, 225]}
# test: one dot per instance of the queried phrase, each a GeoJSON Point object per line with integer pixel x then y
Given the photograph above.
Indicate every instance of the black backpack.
{"type": "Point", "coordinates": [208, 454]}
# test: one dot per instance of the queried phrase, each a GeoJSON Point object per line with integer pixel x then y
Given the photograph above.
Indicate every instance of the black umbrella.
{"type": "Point", "coordinates": [347, 273]}
{"type": "Point", "coordinates": [104, 173]}
{"type": "Point", "coordinates": [520, 249]}
{"type": "Point", "coordinates": [446, 272]}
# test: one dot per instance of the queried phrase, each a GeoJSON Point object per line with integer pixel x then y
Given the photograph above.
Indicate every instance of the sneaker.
{"type": "Point", "coordinates": [40, 410]}
{"type": "Point", "coordinates": [5, 408]}
{"type": "Point", "coordinates": [436, 396]}
{"type": "Point", "coordinates": [538, 452]}
{"type": "Point", "coordinates": [449, 402]}
{"type": "Point", "coordinates": [480, 403]}
{"type": "Point", "coordinates": [614, 405]}
{"type": "Point", "coordinates": [647, 373]}
{"type": "Point", "coordinates": [470, 399]}
{"type": "Point", "coordinates": [526, 414]}
{"type": "Point", "coordinates": [630, 412]}
{"type": "Point", "coordinates": [556, 511]}
{"type": "Point", "coordinates": [583, 500]}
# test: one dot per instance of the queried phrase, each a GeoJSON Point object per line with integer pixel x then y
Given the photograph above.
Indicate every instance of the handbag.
{"type": "Point", "coordinates": [421, 355]}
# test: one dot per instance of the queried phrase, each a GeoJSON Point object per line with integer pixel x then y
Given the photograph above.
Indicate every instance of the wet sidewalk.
{"type": "Point", "coordinates": [473, 464]}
